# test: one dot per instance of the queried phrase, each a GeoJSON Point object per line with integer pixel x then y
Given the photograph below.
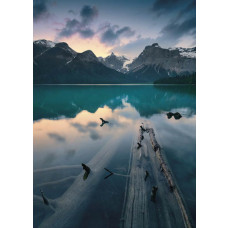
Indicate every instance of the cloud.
{"type": "Point", "coordinates": [56, 137]}
{"type": "Point", "coordinates": [82, 26]}
{"type": "Point", "coordinates": [92, 124]}
{"type": "Point", "coordinates": [108, 34]}
{"type": "Point", "coordinates": [190, 9]}
{"type": "Point", "coordinates": [90, 128]}
{"type": "Point", "coordinates": [80, 127]}
{"type": "Point", "coordinates": [40, 10]}
{"type": "Point", "coordinates": [169, 36]}
{"type": "Point", "coordinates": [88, 14]}
{"type": "Point", "coordinates": [94, 135]}
{"type": "Point", "coordinates": [112, 33]}
{"type": "Point", "coordinates": [86, 33]}
{"type": "Point", "coordinates": [181, 21]}
{"type": "Point", "coordinates": [166, 6]}
{"type": "Point", "coordinates": [72, 27]}
{"type": "Point", "coordinates": [174, 31]}
{"type": "Point", "coordinates": [191, 6]}
{"type": "Point", "coordinates": [177, 9]}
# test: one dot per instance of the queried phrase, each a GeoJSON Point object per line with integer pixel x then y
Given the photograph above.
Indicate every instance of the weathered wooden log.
{"type": "Point", "coordinates": [138, 210]}
{"type": "Point", "coordinates": [168, 176]}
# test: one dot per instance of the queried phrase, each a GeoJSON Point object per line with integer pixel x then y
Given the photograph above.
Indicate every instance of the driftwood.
{"type": "Point", "coordinates": [145, 206]}
{"type": "Point", "coordinates": [72, 202]}
{"type": "Point", "coordinates": [168, 176]}
{"type": "Point", "coordinates": [163, 166]}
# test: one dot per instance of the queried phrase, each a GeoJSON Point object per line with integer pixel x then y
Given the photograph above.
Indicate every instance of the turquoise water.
{"type": "Point", "coordinates": [67, 132]}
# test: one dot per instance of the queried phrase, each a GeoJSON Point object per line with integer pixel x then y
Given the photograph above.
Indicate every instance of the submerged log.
{"type": "Point", "coordinates": [138, 210]}
{"type": "Point", "coordinates": [168, 177]}
{"type": "Point", "coordinates": [73, 201]}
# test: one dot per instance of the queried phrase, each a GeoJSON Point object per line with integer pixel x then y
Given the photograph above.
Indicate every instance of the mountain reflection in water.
{"type": "Point", "coordinates": [67, 133]}
{"type": "Point", "coordinates": [55, 101]}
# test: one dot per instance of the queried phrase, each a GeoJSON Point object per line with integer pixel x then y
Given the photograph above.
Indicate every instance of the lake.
{"type": "Point", "coordinates": [67, 131]}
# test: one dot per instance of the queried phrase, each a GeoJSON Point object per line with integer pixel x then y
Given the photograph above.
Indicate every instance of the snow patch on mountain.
{"type": "Point", "coordinates": [125, 65]}
{"type": "Point", "coordinates": [186, 52]}
{"type": "Point", "coordinates": [46, 43]}
{"type": "Point", "coordinates": [117, 63]}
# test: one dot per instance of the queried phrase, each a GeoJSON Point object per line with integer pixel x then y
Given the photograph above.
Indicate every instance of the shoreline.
{"type": "Point", "coordinates": [147, 84]}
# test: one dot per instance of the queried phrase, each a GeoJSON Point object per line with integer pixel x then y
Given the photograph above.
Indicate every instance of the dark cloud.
{"type": "Point", "coordinates": [81, 27]}
{"type": "Point", "coordinates": [86, 33]}
{"type": "Point", "coordinates": [191, 6]}
{"type": "Point", "coordinates": [40, 9]}
{"type": "Point", "coordinates": [111, 34]}
{"type": "Point", "coordinates": [177, 8]}
{"type": "Point", "coordinates": [88, 14]}
{"type": "Point", "coordinates": [56, 137]}
{"type": "Point", "coordinates": [189, 9]}
{"type": "Point", "coordinates": [72, 27]}
{"type": "Point", "coordinates": [164, 6]}
{"type": "Point", "coordinates": [169, 36]}
{"type": "Point", "coordinates": [174, 30]}
{"type": "Point", "coordinates": [182, 20]}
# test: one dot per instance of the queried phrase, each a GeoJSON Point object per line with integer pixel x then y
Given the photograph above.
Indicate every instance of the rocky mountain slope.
{"type": "Point", "coordinates": [156, 62]}
{"type": "Point", "coordinates": [186, 52]}
{"type": "Point", "coordinates": [115, 62]}
{"type": "Point", "coordinates": [58, 63]}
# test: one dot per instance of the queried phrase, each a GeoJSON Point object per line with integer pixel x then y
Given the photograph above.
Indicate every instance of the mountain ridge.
{"type": "Point", "coordinates": [58, 63]}
{"type": "Point", "coordinates": [114, 62]}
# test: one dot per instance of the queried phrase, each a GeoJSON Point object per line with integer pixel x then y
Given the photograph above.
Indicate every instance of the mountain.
{"type": "Point", "coordinates": [155, 63]}
{"type": "Point", "coordinates": [115, 62]}
{"type": "Point", "coordinates": [40, 46]}
{"type": "Point", "coordinates": [57, 63]}
{"type": "Point", "coordinates": [186, 52]}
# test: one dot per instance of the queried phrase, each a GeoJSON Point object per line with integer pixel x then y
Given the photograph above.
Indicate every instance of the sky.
{"type": "Point", "coordinates": [124, 27]}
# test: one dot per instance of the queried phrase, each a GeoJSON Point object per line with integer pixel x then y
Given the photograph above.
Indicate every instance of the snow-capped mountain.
{"type": "Point", "coordinates": [115, 62]}
{"type": "Point", "coordinates": [156, 62]}
{"type": "Point", "coordinates": [41, 46]}
{"type": "Point", "coordinates": [58, 63]}
{"type": "Point", "coordinates": [186, 52]}
{"type": "Point", "coordinates": [46, 43]}
{"type": "Point", "coordinates": [55, 63]}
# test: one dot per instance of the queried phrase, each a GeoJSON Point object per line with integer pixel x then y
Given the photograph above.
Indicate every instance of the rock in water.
{"type": "Point", "coordinates": [177, 115]}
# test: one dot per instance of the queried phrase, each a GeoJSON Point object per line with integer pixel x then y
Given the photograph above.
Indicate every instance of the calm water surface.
{"type": "Point", "coordinates": [67, 132]}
